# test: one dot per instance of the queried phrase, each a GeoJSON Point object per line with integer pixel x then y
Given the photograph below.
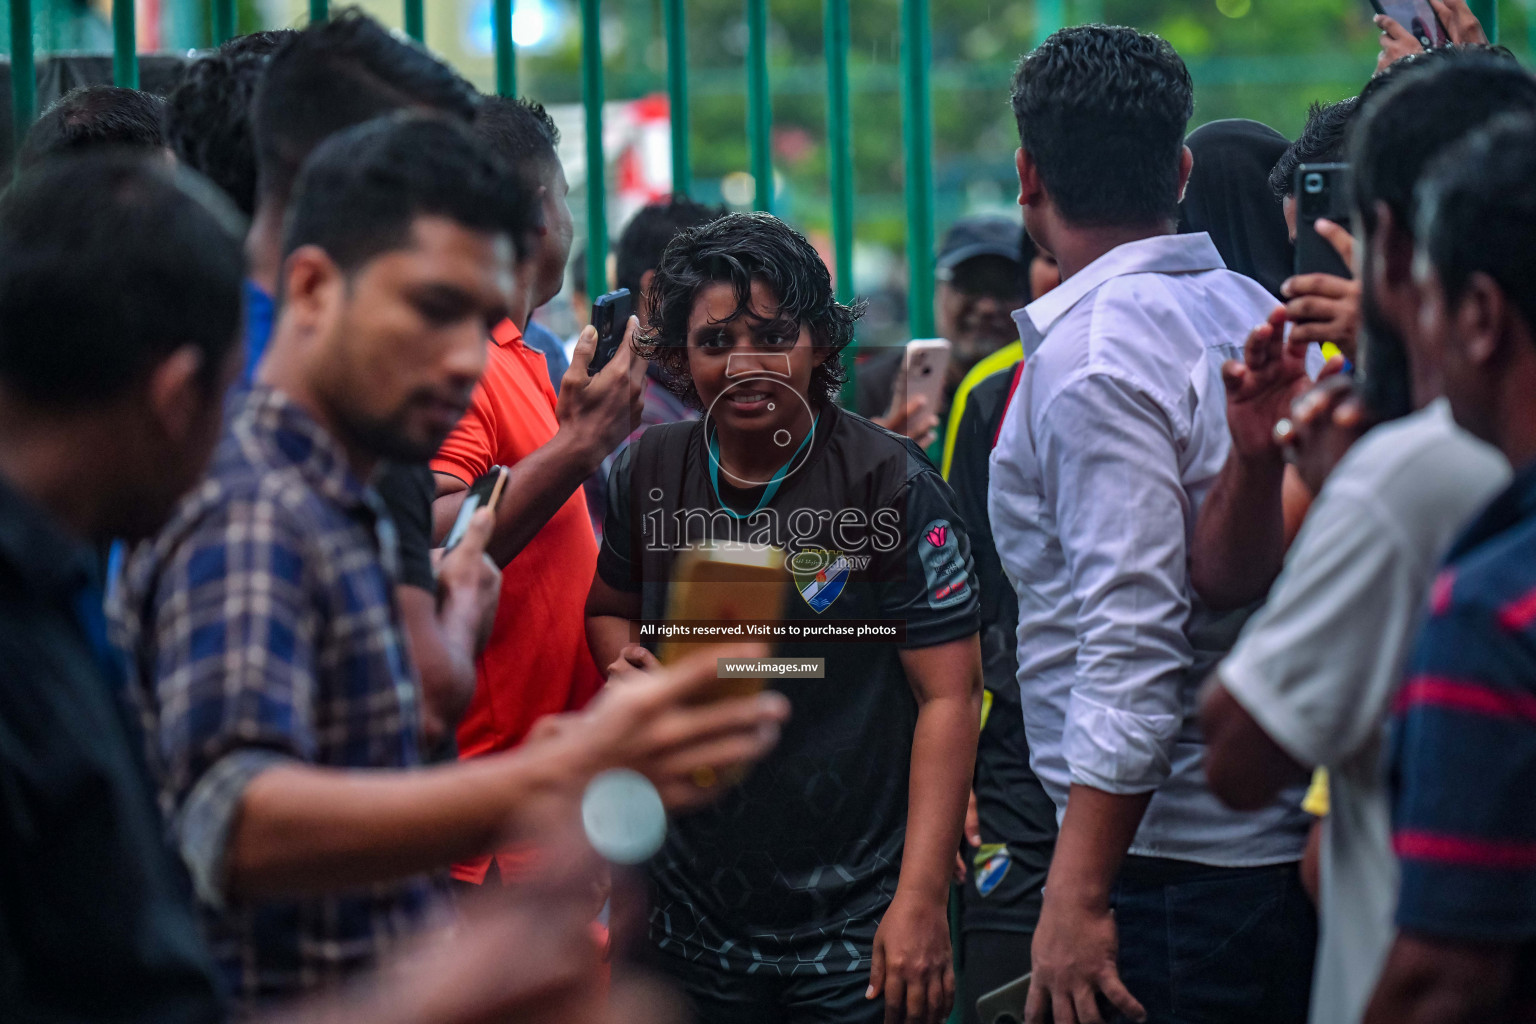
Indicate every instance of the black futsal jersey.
{"type": "Point", "coordinates": [792, 870]}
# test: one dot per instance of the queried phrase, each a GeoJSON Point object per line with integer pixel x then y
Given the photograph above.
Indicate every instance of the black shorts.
{"type": "Point", "coordinates": [728, 997]}
{"type": "Point", "coordinates": [1004, 878]}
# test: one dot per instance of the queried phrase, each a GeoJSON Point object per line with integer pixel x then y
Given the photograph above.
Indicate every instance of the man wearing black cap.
{"type": "Point", "coordinates": [983, 276]}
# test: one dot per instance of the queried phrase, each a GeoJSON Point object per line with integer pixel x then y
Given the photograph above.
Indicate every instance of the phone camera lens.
{"type": "Point", "coordinates": [1313, 184]}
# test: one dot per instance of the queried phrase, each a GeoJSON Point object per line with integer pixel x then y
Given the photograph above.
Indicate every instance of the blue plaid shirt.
{"type": "Point", "coordinates": [263, 632]}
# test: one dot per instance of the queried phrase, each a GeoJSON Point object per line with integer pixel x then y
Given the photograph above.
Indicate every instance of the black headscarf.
{"type": "Point", "coordinates": [1229, 197]}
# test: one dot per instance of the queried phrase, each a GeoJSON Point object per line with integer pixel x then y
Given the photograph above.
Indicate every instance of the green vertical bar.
{"type": "Point", "coordinates": [506, 49]}
{"type": "Point", "coordinates": [1487, 12]}
{"type": "Point", "coordinates": [759, 105]}
{"type": "Point", "coordinates": [223, 21]}
{"type": "Point", "coordinates": [125, 45]}
{"type": "Point", "coordinates": [1050, 15]}
{"type": "Point", "coordinates": [917, 136]}
{"type": "Point", "coordinates": [840, 164]}
{"type": "Point", "coordinates": [415, 23]}
{"type": "Point", "coordinates": [677, 95]}
{"type": "Point", "coordinates": [597, 180]}
{"type": "Point", "coordinates": [319, 10]}
{"type": "Point", "coordinates": [23, 73]}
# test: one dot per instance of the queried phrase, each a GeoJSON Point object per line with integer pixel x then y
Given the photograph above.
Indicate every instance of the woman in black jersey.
{"type": "Point", "coordinates": [816, 890]}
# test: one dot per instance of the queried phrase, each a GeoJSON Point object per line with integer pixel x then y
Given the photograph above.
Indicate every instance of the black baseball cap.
{"type": "Point", "coordinates": [981, 235]}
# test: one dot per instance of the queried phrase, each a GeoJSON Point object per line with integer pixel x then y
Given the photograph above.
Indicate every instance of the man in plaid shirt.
{"type": "Point", "coordinates": [280, 704]}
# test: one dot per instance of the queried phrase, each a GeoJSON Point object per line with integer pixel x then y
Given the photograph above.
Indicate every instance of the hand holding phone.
{"type": "Point", "coordinates": [1321, 192]}
{"type": "Point", "coordinates": [1418, 17]}
{"type": "Point", "coordinates": [610, 316]}
{"type": "Point", "coordinates": [484, 493]}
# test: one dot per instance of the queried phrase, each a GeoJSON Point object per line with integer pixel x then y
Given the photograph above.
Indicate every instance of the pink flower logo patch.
{"type": "Point", "coordinates": [937, 536]}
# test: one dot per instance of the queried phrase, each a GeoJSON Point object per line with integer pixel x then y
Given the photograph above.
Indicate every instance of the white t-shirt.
{"type": "Point", "coordinates": [1319, 666]}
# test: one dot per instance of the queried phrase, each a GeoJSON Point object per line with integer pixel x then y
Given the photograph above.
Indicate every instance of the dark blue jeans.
{"type": "Point", "coordinates": [1203, 945]}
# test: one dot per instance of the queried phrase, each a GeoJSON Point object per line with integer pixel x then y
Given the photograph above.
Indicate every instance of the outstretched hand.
{"type": "Point", "coordinates": [1261, 387]}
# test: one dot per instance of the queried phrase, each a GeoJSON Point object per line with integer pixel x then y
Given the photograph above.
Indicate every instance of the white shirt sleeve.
{"type": "Point", "coordinates": [1320, 662]}
{"type": "Point", "coordinates": [1110, 468]}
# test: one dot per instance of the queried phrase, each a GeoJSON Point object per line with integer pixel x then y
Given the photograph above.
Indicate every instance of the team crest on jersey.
{"type": "Point", "coordinates": [820, 576]}
{"type": "Point", "coordinates": [992, 862]}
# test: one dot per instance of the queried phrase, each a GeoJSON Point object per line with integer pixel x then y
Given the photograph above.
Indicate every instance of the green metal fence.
{"type": "Point", "coordinates": [917, 117]}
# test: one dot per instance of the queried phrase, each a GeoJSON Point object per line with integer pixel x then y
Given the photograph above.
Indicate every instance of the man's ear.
{"type": "Point", "coordinates": [312, 285]}
{"type": "Point", "coordinates": [1393, 249]}
{"type": "Point", "coordinates": [540, 198]}
{"type": "Point", "coordinates": [1186, 165]}
{"type": "Point", "coordinates": [1483, 321]}
{"type": "Point", "coordinates": [645, 285]}
{"type": "Point", "coordinates": [177, 392]}
{"type": "Point", "coordinates": [1031, 188]}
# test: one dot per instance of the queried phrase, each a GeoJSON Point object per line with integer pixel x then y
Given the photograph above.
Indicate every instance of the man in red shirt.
{"type": "Point", "coordinates": [536, 662]}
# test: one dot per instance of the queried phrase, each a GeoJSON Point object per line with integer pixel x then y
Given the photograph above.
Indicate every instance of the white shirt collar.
{"type": "Point", "coordinates": [1160, 254]}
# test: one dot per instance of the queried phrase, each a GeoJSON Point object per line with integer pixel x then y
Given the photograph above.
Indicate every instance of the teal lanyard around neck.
{"type": "Point", "coordinates": [773, 484]}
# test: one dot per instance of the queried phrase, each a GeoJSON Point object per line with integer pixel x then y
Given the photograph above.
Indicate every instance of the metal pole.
{"type": "Point", "coordinates": [23, 73]}
{"type": "Point", "coordinates": [840, 162]}
{"type": "Point", "coordinates": [917, 135]}
{"type": "Point", "coordinates": [223, 21]}
{"type": "Point", "coordinates": [1487, 12]}
{"type": "Point", "coordinates": [677, 94]}
{"type": "Point", "coordinates": [319, 11]}
{"type": "Point", "coordinates": [506, 49]}
{"type": "Point", "coordinates": [759, 105]}
{"type": "Point", "coordinates": [415, 23]}
{"type": "Point", "coordinates": [597, 180]}
{"type": "Point", "coordinates": [125, 45]}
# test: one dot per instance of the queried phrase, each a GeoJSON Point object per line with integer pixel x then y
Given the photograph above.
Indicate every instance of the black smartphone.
{"type": "Point", "coordinates": [1418, 17]}
{"type": "Point", "coordinates": [1322, 190]}
{"type": "Point", "coordinates": [483, 493]}
{"type": "Point", "coordinates": [610, 315]}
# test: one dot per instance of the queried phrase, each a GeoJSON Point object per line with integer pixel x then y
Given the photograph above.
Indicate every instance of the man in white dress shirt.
{"type": "Point", "coordinates": [1161, 903]}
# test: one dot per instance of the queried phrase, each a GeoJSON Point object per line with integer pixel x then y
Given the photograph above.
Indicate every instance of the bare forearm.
{"type": "Point", "coordinates": [443, 650]}
{"type": "Point", "coordinates": [1430, 982]}
{"type": "Point", "coordinates": [1240, 535]}
{"type": "Point", "coordinates": [607, 635]}
{"type": "Point", "coordinates": [1096, 832]}
{"type": "Point", "coordinates": [939, 786]}
{"type": "Point", "coordinates": [304, 829]}
{"type": "Point", "coordinates": [535, 490]}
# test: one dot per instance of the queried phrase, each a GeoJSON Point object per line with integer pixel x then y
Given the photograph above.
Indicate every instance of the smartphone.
{"type": "Point", "coordinates": [610, 315]}
{"type": "Point", "coordinates": [725, 582]}
{"type": "Point", "coordinates": [1005, 1005]}
{"type": "Point", "coordinates": [1417, 17]}
{"type": "Point", "coordinates": [484, 493]}
{"type": "Point", "coordinates": [1322, 190]}
{"type": "Point", "coordinates": [923, 370]}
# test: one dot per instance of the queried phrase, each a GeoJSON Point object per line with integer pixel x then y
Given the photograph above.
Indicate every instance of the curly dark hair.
{"type": "Point", "coordinates": [1103, 111]}
{"type": "Point", "coordinates": [1321, 142]}
{"type": "Point", "coordinates": [738, 249]}
{"type": "Point", "coordinates": [208, 115]}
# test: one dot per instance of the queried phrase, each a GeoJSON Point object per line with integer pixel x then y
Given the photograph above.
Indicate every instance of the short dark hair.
{"type": "Point", "coordinates": [1428, 103]}
{"type": "Point", "coordinates": [363, 188]}
{"type": "Point", "coordinates": [1321, 142]}
{"type": "Point", "coordinates": [522, 135]}
{"type": "Point", "coordinates": [336, 74]}
{"type": "Point", "coordinates": [208, 114]}
{"type": "Point", "coordinates": [1102, 112]}
{"type": "Point", "coordinates": [645, 237]}
{"type": "Point", "coordinates": [738, 249]}
{"type": "Point", "coordinates": [94, 117]}
{"type": "Point", "coordinates": [1477, 211]}
{"type": "Point", "coordinates": [108, 264]}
